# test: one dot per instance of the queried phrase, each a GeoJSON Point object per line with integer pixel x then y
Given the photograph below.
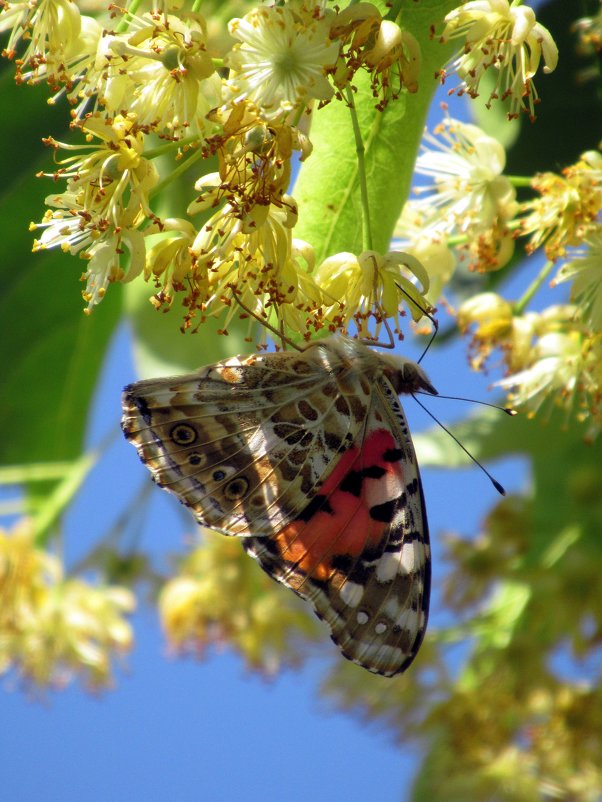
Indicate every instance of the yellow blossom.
{"type": "Point", "coordinates": [371, 287]}
{"type": "Point", "coordinates": [253, 259]}
{"type": "Point", "coordinates": [169, 260]}
{"type": "Point", "coordinates": [281, 57]}
{"type": "Point", "coordinates": [583, 267]}
{"type": "Point", "coordinates": [50, 29]}
{"type": "Point", "coordinates": [567, 207]}
{"type": "Point", "coordinates": [504, 37]}
{"type": "Point", "coordinates": [105, 202]}
{"type": "Point", "coordinates": [163, 73]}
{"type": "Point", "coordinates": [390, 54]}
{"type": "Point", "coordinates": [54, 629]}
{"type": "Point", "coordinates": [254, 159]}
{"type": "Point", "coordinates": [562, 367]}
{"type": "Point", "coordinates": [220, 596]}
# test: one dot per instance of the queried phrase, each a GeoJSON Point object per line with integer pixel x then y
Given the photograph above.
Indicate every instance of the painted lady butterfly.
{"type": "Point", "coordinates": [308, 456]}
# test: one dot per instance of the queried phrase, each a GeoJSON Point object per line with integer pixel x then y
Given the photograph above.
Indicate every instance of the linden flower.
{"type": "Point", "coordinates": [169, 261]}
{"type": "Point", "coordinates": [469, 195]}
{"type": "Point", "coordinates": [105, 202]}
{"type": "Point", "coordinates": [561, 367]}
{"type": "Point", "coordinates": [390, 54]}
{"type": "Point", "coordinates": [556, 363]}
{"type": "Point", "coordinates": [53, 629]}
{"type": "Point", "coordinates": [497, 327]}
{"type": "Point", "coordinates": [469, 192]}
{"type": "Point", "coordinates": [590, 30]}
{"type": "Point", "coordinates": [49, 27]}
{"type": "Point", "coordinates": [254, 159]}
{"type": "Point", "coordinates": [253, 259]}
{"type": "Point", "coordinates": [357, 288]}
{"type": "Point", "coordinates": [507, 37]}
{"type": "Point", "coordinates": [221, 597]}
{"type": "Point", "coordinates": [76, 632]}
{"type": "Point", "coordinates": [584, 269]}
{"type": "Point", "coordinates": [164, 74]}
{"type": "Point", "coordinates": [567, 208]}
{"type": "Point", "coordinates": [282, 57]}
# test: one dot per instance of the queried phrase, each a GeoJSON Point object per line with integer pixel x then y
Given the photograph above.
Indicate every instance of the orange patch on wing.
{"type": "Point", "coordinates": [347, 528]}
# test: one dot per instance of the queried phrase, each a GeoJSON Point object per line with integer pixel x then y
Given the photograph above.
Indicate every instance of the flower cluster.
{"type": "Point", "coordinates": [148, 87]}
{"type": "Point", "coordinates": [53, 628]}
{"type": "Point", "coordinates": [219, 596]}
{"type": "Point", "coordinates": [471, 213]}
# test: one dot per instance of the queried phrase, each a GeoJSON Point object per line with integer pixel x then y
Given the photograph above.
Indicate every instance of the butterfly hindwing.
{"type": "Point", "coordinates": [309, 457]}
{"type": "Point", "coordinates": [360, 554]}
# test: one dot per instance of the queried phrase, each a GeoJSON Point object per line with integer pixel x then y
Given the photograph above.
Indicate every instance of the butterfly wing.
{"type": "Point", "coordinates": [247, 442]}
{"type": "Point", "coordinates": [309, 457]}
{"type": "Point", "coordinates": [360, 552]}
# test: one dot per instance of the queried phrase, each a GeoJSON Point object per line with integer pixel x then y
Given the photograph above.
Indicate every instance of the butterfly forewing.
{"type": "Point", "coordinates": [308, 455]}
{"type": "Point", "coordinates": [246, 442]}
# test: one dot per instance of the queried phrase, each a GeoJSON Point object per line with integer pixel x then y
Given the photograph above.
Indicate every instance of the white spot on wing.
{"type": "Point", "coordinates": [351, 593]}
{"type": "Point", "coordinates": [362, 617]}
{"type": "Point", "coordinates": [388, 567]}
{"type": "Point", "coordinates": [412, 620]}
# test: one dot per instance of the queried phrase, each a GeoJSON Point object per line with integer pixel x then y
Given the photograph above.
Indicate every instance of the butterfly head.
{"type": "Point", "coordinates": [405, 375]}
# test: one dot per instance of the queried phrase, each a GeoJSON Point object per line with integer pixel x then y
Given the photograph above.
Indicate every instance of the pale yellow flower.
{"type": "Point", "coordinates": [501, 36]}
{"type": "Point", "coordinates": [164, 74]}
{"type": "Point", "coordinates": [469, 191]}
{"type": "Point", "coordinates": [54, 629]}
{"type": "Point", "coordinates": [281, 57]}
{"type": "Point", "coordinates": [221, 597]}
{"type": "Point", "coordinates": [429, 247]}
{"type": "Point", "coordinates": [254, 160]}
{"type": "Point", "coordinates": [390, 54]}
{"type": "Point", "coordinates": [105, 203]}
{"type": "Point", "coordinates": [583, 267]}
{"type": "Point", "coordinates": [368, 289]}
{"type": "Point", "coordinates": [169, 260]}
{"type": "Point", "coordinates": [561, 368]}
{"type": "Point", "coordinates": [567, 207]}
{"type": "Point", "coordinates": [590, 30]}
{"type": "Point", "coordinates": [48, 28]}
{"type": "Point", "coordinates": [254, 259]}
{"type": "Point", "coordinates": [494, 325]}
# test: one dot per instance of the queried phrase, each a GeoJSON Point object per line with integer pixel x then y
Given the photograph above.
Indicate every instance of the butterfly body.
{"type": "Point", "coordinates": [308, 457]}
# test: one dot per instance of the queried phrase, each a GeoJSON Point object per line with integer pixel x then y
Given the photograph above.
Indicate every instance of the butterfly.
{"type": "Point", "coordinates": [307, 456]}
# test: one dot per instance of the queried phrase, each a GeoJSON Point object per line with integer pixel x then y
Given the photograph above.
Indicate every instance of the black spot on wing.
{"type": "Point", "coordinates": [318, 503]}
{"type": "Point", "coordinates": [393, 455]}
{"type": "Point", "coordinates": [352, 483]}
{"type": "Point", "coordinates": [386, 512]}
{"type": "Point", "coordinates": [139, 403]}
{"type": "Point", "coordinates": [413, 487]}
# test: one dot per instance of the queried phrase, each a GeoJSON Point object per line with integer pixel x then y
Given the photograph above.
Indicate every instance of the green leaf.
{"type": "Point", "coordinates": [51, 353]}
{"type": "Point", "coordinates": [328, 190]}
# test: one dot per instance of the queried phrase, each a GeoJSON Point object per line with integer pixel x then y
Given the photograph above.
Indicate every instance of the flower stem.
{"type": "Point", "coordinates": [361, 169]}
{"type": "Point", "coordinates": [124, 24]}
{"type": "Point", "coordinates": [520, 180]}
{"type": "Point", "coordinates": [532, 289]}
{"type": "Point", "coordinates": [176, 173]}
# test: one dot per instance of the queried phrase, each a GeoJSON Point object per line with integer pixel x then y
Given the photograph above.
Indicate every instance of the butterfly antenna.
{"type": "Point", "coordinates": [427, 314]}
{"type": "Point", "coordinates": [507, 410]}
{"type": "Point", "coordinates": [493, 481]}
